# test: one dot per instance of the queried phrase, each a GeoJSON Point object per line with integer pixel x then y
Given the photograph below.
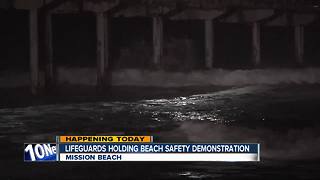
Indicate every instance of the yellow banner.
{"type": "Point", "coordinates": [104, 139]}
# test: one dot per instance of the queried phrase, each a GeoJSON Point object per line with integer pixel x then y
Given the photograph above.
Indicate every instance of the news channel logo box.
{"type": "Point", "coordinates": [40, 152]}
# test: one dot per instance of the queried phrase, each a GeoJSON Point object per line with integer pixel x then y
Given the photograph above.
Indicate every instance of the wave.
{"type": "Point", "coordinates": [291, 144]}
{"type": "Point", "coordinates": [216, 77]}
{"type": "Point", "coordinates": [148, 78]}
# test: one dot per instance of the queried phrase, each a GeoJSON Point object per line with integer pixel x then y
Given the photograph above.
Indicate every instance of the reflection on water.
{"type": "Point", "coordinates": [284, 119]}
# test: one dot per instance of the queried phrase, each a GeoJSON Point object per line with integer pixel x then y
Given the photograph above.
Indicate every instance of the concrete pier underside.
{"type": "Point", "coordinates": [256, 14]}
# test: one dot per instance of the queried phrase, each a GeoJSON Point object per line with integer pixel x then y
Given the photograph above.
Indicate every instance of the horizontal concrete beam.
{"type": "Point", "coordinates": [91, 6]}
{"type": "Point", "coordinates": [303, 19]}
{"type": "Point", "coordinates": [252, 15]}
{"type": "Point", "coordinates": [293, 19]}
{"type": "Point", "coordinates": [257, 4]}
{"type": "Point", "coordinates": [99, 5]}
{"type": "Point", "coordinates": [142, 11]}
{"type": "Point", "coordinates": [30, 4]}
{"type": "Point", "coordinates": [197, 14]}
{"type": "Point", "coordinates": [66, 6]}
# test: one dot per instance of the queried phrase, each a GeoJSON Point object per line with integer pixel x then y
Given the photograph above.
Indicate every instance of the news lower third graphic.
{"type": "Point", "coordinates": [136, 148]}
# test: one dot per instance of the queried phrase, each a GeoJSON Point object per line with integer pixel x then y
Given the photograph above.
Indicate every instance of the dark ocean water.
{"type": "Point", "coordinates": [285, 119]}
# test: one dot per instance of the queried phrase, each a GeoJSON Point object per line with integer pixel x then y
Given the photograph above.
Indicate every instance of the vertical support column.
{"type": "Point", "coordinates": [208, 43]}
{"type": "Point", "coordinates": [102, 49]}
{"type": "Point", "coordinates": [256, 44]}
{"type": "Point", "coordinates": [299, 43]}
{"type": "Point", "coordinates": [106, 42]}
{"type": "Point", "coordinates": [34, 45]}
{"type": "Point", "coordinates": [49, 52]}
{"type": "Point", "coordinates": [157, 40]}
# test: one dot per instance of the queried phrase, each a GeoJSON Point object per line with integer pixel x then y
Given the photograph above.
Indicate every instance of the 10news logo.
{"type": "Point", "coordinates": [40, 152]}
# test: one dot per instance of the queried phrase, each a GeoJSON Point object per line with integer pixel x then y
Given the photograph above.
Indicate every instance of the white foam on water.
{"type": "Point", "coordinates": [292, 144]}
{"type": "Point", "coordinates": [145, 78]}
{"type": "Point", "coordinates": [216, 77]}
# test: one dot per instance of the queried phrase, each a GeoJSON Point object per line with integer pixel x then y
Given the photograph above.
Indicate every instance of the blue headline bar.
{"type": "Point", "coordinates": [157, 148]}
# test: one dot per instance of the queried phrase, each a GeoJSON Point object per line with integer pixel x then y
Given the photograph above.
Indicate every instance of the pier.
{"type": "Point", "coordinates": [253, 13]}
